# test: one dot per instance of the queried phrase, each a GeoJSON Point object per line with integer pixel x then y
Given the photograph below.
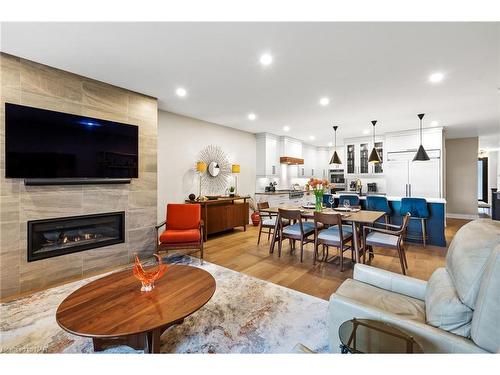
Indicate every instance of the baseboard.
{"type": "Point", "coordinates": [462, 216]}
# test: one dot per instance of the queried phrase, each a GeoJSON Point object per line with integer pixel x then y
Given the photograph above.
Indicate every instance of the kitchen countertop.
{"type": "Point", "coordinates": [281, 192]}
{"type": "Point", "coordinates": [396, 198]}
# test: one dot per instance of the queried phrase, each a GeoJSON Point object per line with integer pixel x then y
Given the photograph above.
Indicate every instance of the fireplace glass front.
{"type": "Point", "coordinates": [53, 237]}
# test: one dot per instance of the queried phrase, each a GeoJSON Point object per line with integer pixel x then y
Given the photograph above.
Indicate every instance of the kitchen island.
{"type": "Point", "coordinates": [435, 223]}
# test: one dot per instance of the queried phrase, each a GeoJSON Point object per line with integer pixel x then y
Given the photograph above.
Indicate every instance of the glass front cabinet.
{"type": "Point", "coordinates": [357, 153]}
{"type": "Point", "coordinates": [350, 159]}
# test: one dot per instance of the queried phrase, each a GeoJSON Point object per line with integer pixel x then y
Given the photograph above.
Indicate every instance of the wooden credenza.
{"type": "Point", "coordinates": [223, 214]}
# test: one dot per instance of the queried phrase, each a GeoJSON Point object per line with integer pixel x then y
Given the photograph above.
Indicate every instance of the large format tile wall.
{"type": "Point", "coordinates": [29, 83]}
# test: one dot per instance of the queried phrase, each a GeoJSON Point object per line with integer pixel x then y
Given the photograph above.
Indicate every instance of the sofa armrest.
{"type": "Point", "coordinates": [387, 280]}
{"type": "Point", "coordinates": [432, 339]}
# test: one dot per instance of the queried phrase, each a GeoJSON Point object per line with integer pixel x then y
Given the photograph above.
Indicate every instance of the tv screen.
{"type": "Point", "coordinates": [46, 144]}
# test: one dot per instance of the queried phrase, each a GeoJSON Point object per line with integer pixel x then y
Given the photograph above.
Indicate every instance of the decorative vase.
{"type": "Point", "coordinates": [148, 279]}
{"type": "Point", "coordinates": [255, 218]}
{"type": "Point", "coordinates": [318, 206]}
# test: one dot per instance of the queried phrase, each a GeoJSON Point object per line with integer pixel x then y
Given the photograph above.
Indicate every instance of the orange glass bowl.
{"type": "Point", "coordinates": [148, 278]}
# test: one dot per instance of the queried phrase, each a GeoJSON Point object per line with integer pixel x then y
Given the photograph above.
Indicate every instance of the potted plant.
{"type": "Point", "coordinates": [318, 187]}
{"type": "Point", "coordinates": [232, 189]}
{"type": "Point", "coordinates": [255, 214]}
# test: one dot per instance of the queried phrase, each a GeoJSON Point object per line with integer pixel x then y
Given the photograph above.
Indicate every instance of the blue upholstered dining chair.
{"type": "Point", "coordinates": [417, 208]}
{"type": "Point", "coordinates": [379, 203]}
{"type": "Point", "coordinates": [300, 231]}
{"type": "Point", "coordinates": [353, 199]}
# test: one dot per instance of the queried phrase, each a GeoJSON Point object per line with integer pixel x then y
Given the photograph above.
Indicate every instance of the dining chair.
{"type": "Point", "coordinates": [336, 234]}
{"type": "Point", "coordinates": [267, 220]}
{"type": "Point", "coordinates": [379, 203]}
{"type": "Point", "coordinates": [388, 238]}
{"type": "Point", "coordinates": [299, 231]}
{"type": "Point", "coordinates": [183, 229]}
{"type": "Point", "coordinates": [417, 208]}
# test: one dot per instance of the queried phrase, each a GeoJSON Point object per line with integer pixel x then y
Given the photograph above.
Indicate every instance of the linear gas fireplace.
{"type": "Point", "coordinates": [53, 237]}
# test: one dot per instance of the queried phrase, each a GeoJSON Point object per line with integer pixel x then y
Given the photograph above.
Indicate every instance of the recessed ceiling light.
{"type": "Point", "coordinates": [324, 101]}
{"type": "Point", "coordinates": [436, 77]}
{"type": "Point", "coordinates": [366, 131]}
{"type": "Point", "coordinates": [286, 128]}
{"type": "Point", "coordinates": [330, 144]}
{"type": "Point", "coordinates": [252, 116]}
{"type": "Point", "coordinates": [181, 91]}
{"type": "Point", "coordinates": [434, 123]}
{"type": "Point", "coordinates": [266, 59]}
{"type": "Point", "coordinates": [312, 137]}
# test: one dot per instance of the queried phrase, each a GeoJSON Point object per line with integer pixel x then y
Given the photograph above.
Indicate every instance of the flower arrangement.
{"type": "Point", "coordinates": [318, 187]}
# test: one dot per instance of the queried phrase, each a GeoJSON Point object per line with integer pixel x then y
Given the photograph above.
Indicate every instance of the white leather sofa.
{"type": "Point", "coordinates": [456, 311]}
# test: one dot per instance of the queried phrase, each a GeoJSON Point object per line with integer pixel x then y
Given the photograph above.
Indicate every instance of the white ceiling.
{"type": "Point", "coordinates": [368, 70]}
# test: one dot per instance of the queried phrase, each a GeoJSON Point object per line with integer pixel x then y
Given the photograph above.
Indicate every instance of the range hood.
{"type": "Point", "coordinates": [291, 161]}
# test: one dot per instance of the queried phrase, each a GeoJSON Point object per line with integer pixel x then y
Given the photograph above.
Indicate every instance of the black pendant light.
{"type": "Point", "coordinates": [374, 157]}
{"type": "Point", "coordinates": [421, 154]}
{"type": "Point", "coordinates": [335, 157]}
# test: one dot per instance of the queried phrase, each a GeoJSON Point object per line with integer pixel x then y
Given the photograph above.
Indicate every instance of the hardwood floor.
{"type": "Point", "coordinates": [239, 251]}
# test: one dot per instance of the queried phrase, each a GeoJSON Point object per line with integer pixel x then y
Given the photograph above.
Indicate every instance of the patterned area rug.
{"type": "Point", "coordinates": [245, 315]}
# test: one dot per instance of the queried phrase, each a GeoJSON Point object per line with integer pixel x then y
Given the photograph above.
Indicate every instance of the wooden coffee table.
{"type": "Point", "coordinates": [113, 310]}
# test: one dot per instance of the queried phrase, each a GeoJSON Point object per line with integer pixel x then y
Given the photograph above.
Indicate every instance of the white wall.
{"type": "Point", "coordinates": [461, 177]}
{"type": "Point", "coordinates": [180, 139]}
{"type": "Point", "coordinates": [498, 169]}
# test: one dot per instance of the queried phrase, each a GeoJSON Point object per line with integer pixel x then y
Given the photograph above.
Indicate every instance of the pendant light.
{"type": "Point", "coordinates": [335, 157]}
{"type": "Point", "coordinates": [421, 155]}
{"type": "Point", "coordinates": [374, 157]}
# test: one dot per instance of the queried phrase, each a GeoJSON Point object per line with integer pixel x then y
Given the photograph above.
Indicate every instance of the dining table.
{"type": "Point", "coordinates": [354, 216]}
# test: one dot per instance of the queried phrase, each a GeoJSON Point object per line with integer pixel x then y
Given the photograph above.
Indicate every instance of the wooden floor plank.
{"type": "Point", "coordinates": [238, 250]}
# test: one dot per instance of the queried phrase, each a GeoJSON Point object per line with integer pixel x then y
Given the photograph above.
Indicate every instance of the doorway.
{"type": "Point", "coordinates": [482, 179]}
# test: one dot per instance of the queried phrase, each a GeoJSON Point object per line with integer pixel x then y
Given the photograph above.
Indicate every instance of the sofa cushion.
{"type": "Point", "coordinates": [381, 299]}
{"type": "Point", "coordinates": [485, 330]}
{"type": "Point", "coordinates": [467, 255]}
{"type": "Point", "coordinates": [443, 308]}
{"type": "Point", "coordinates": [180, 236]}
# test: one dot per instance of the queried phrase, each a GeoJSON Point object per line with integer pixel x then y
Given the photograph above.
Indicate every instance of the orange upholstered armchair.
{"type": "Point", "coordinates": [183, 229]}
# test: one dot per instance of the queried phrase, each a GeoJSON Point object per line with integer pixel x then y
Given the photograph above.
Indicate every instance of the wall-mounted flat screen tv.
{"type": "Point", "coordinates": [46, 144]}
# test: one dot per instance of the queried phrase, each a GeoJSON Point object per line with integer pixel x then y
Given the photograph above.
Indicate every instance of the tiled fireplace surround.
{"type": "Point", "coordinates": [28, 83]}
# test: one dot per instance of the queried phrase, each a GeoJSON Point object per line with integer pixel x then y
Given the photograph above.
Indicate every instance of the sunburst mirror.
{"type": "Point", "coordinates": [214, 181]}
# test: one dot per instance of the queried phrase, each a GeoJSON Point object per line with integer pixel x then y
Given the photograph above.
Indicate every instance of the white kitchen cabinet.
{"type": "Point", "coordinates": [322, 162]}
{"type": "Point", "coordinates": [308, 169]}
{"type": "Point", "coordinates": [268, 158]}
{"type": "Point", "coordinates": [409, 140]}
{"type": "Point", "coordinates": [407, 178]}
{"type": "Point", "coordinates": [291, 147]}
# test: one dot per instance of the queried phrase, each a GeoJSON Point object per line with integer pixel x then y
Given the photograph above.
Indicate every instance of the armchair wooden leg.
{"type": "Point", "coordinates": [401, 261]}
{"type": "Point", "coordinates": [301, 251]}
{"type": "Point", "coordinates": [315, 250]}
{"type": "Point", "coordinates": [424, 234]}
{"type": "Point", "coordinates": [260, 232]}
{"type": "Point", "coordinates": [280, 239]}
{"type": "Point", "coordinates": [341, 258]}
{"type": "Point", "coordinates": [404, 257]}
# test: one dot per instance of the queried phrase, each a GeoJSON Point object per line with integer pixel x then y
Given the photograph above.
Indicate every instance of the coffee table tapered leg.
{"type": "Point", "coordinates": [154, 341]}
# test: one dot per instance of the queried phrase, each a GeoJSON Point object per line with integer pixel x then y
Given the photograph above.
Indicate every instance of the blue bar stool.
{"type": "Point", "coordinates": [379, 203]}
{"type": "Point", "coordinates": [353, 199]}
{"type": "Point", "coordinates": [417, 208]}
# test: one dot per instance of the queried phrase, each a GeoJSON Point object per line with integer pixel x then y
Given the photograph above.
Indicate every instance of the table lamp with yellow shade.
{"type": "Point", "coordinates": [235, 169]}
{"type": "Point", "coordinates": [201, 167]}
